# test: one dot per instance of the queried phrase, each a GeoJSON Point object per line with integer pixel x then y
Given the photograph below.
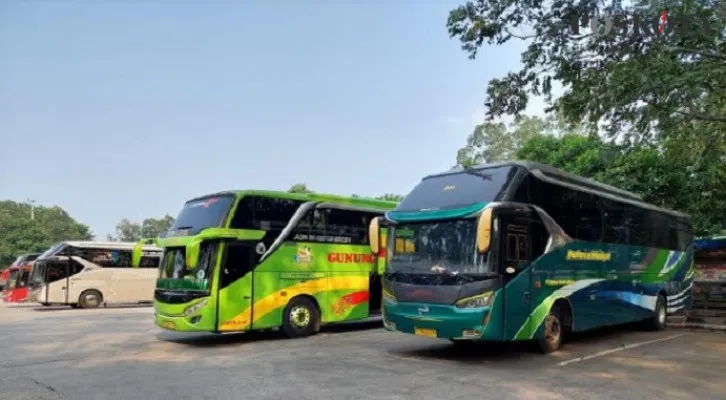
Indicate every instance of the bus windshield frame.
{"type": "Point", "coordinates": [200, 214]}
{"type": "Point", "coordinates": [426, 248]}
{"type": "Point", "coordinates": [174, 275]}
{"type": "Point", "coordinates": [460, 189]}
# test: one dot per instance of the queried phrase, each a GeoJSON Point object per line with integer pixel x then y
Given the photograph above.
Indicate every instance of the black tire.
{"type": "Point", "coordinates": [553, 333]}
{"type": "Point", "coordinates": [659, 319]}
{"type": "Point", "coordinates": [90, 299]}
{"type": "Point", "coordinates": [301, 318]}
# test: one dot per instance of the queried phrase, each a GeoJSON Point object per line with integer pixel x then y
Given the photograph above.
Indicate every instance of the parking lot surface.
{"type": "Point", "coordinates": [117, 353]}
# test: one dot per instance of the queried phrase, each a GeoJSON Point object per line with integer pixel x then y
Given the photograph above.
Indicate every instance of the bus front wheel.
{"type": "Point", "coordinates": [300, 318]}
{"type": "Point", "coordinates": [90, 299]}
{"type": "Point", "coordinates": [551, 339]}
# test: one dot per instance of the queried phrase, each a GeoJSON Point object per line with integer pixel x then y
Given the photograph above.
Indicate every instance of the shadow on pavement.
{"type": "Point", "coordinates": [38, 308]}
{"type": "Point", "coordinates": [477, 352]}
{"type": "Point", "coordinates": [221, 339]}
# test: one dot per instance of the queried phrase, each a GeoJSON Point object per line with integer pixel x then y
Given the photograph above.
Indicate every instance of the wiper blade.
{"type": "Point", "coordinates": [472, 171]}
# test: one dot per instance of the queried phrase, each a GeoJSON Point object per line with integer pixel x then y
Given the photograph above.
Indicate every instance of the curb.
{"type": "Point", "coordinates": [698, 326]}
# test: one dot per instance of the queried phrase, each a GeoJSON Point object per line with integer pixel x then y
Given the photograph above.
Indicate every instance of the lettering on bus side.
{"type": "Point", "coordinates": [351, 258]}
{"type": "Point", "coordinates": [576, 255]}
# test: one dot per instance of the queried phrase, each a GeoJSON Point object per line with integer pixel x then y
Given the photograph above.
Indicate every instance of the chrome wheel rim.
{"type": "Point", "coordinates": [552, 329]}
{"type": "Point", "coordinates": [300, 316]}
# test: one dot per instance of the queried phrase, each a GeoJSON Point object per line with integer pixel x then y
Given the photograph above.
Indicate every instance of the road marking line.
{"type": "Point", "coordinates": [626, 347]}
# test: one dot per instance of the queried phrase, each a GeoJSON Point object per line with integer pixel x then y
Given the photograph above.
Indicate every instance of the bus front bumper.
{"type": "Point", "coordinates": [174, 317]}
{"type": "Point", "coordinates": [438, 321]}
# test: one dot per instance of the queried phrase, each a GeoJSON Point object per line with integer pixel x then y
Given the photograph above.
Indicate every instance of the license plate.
{"type": "Point", "coordinates": [425, 332]}
{"type": "Point", "coordinates": [168, 324]}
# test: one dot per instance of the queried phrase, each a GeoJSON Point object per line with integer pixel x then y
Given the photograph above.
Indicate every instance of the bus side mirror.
{"type": "Point", "coordinates": [138, 251]}
{"type": "Point", "coordinates": [373, 232]}
{"type": "Point", "coordinates": [484, 231]}
{"type": "Point", "coordinates": [192, 250]}
{"type": "Point", "coordinates": [136, 255]}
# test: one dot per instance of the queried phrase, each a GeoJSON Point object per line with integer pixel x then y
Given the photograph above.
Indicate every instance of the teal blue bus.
{"type": "Point", "coordinates": [524, 251]}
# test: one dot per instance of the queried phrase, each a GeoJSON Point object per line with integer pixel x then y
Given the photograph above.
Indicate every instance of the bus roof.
{"type": "Point", "coordinates": [358, 202]}
{"type": "Point", "coordinates": [557, 176]}
{"type": "Point", "coordinates": [105, 245]}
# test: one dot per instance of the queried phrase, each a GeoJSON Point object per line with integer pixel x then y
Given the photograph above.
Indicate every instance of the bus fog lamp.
{"type": "Point", "coordinates": [191, 310]}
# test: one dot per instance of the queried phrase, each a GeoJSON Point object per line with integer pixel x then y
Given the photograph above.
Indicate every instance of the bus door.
{"type": "Point", "coordinates": [235, 288]}
{"type": "Point", "coordinates": [57, 275]}
{"type": "Point", "coordinates": [514, 256]}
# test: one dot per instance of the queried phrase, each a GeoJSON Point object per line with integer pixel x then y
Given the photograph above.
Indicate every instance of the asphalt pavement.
{"type": "Point", "coordinates": [118, 353]}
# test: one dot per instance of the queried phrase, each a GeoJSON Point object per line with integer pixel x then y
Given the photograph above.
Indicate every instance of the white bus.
{"type": "Point", "coordinates": [89, 274]}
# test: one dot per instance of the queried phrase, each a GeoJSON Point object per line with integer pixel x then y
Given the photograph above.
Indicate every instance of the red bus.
{"type": "Point", "coordinates": [15, 289]}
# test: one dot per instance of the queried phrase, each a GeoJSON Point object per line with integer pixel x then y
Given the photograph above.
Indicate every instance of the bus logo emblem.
{"type": "Point", "coordinates": [423, 310]}
{"type": "Point", "coordinates": [304, 255]}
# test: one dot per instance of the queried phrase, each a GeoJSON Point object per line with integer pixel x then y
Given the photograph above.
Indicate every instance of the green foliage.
{"type": "Point", "coordinates": [128, 231]}
{"type": "Point", "coordinates": [299, 188]}
{"type": "Point", "coordinates": [495, 142]}
{"type": "Point", "coordinates": [662, 175]}
{"type": "Point", "coordinates": [390, 197]}
{"type": "Point", "coordinates": [634, 86]}
{"type": "Point", "coordinates": [19, 234]}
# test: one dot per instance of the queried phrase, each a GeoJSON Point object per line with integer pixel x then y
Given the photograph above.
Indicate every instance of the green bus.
{"type": "Point", "coordinates": [524, 251]}
{"type": "Point", "coordinates": [256, 260]}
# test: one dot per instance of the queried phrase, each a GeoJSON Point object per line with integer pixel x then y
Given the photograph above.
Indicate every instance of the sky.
{"type": "Point", "coordinates": [120, 109]}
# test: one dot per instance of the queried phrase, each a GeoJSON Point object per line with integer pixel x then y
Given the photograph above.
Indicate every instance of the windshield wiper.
{"type": "Point", "coordinates": [472, 171]}
{"type": "Point", "coordinates": [400, 271]}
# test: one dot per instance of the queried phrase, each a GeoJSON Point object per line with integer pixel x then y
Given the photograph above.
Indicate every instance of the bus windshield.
{"type": "Point", "coordinates": [13, 279]}
{"type": "Point", "coordinates": [436, 247]}
{"type": "Point", "coordinates": [174, 274]}
{"type": "Point", "coordinates": [459, 189]}
{"type": "Point", "coordinates": [52, 251]}
{"type": "Point", "coordinates": [201, 214]}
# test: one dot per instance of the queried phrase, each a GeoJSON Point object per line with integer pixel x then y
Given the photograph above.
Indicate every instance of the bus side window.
{"type": "Point", "coordinates": [150, 262]}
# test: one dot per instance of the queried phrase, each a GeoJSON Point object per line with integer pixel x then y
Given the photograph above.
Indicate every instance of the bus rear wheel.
{"type": "Point", "coordinates": [301, 318]}
{"type": "Point", "coordinates": [658, 321]}
{"type": "Point", "coordinates": [90, 299]}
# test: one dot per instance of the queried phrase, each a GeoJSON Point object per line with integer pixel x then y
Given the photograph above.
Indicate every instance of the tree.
{"type": "Point", "coordinates": [128, 231]}
{"type": "Point", "coordinates": [20, 234]}
{"type": "Point", "coordinates": [633, 83]}
{"type": "Point", "coordinates": [152, 227]}
{"type": "Point", "coordinates": [663, 175]}
{"type": "Point", "coordinates": [493, 142]}
{"type": "Point", "coordinates": [299, 188]}
{"type": "Point", "coordinates": [390, 197]}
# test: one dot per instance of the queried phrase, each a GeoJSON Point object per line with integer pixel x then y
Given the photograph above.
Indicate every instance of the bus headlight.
{"type": "Point", "coordinates": [191, 310]}
{"type": "Point", "coordinates": [477, 301]}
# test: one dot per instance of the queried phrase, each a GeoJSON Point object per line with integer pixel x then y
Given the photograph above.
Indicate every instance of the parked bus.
{"type": "Point", "coordinates": [89, 274]}
{"type": "Point", "coordinates": [16, 289]}
{"type": "Point", "coordinates": [520, 251]}
{"type": "Point", "coordinates": [23, 258]}
{"type": "Point", "coordinates": [250, 260]}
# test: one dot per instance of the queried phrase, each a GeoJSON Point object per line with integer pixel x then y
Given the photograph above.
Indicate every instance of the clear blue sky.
{"type": "Point", "coordinates": [126, 109]}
